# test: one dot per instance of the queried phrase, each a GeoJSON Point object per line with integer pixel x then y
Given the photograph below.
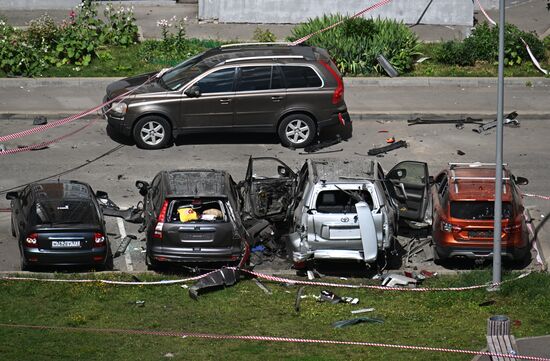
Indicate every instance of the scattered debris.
{"type": "Point", "coordinates": [459, 152]}
{"type": "Point", "coordinates": [390, 70]}
{"type": "Point", "coordinates": [355, 321]}
{"type": "Point", "coordinates": [383, 131]}
{"type": "Point", "coordinates": [487, 303]}
{"type": "Point", "coordinates": [461, 121]}
{"type": "Point", "coordinates": [40, 120]}
{"type": "Point", "coordinates": [2, 148]}
{"type": "Point", "coordinates": [169, 354]}
{"type": "Point", "coordinates": [393, 280]}
{"type": "Point", "coordinates": [390, 140]}
{"type": "Point", "coordinates": [324, 152]}
{"type": "Point", "coordinates": [362, 310]}
{"type": "Point", "coordinates": [220, 278]}
{"type": "Point", "coordinates": [140, 303]}
{"type": "Point", "coordinates": [123, 245]}
{"type": "Point", "coordinates": [422, 59]}
{"type": "Point", "coordinates": [266, 290]}
{"type": "Point", "coordinates": [298, 300]}
{"type": "Point", "coordinates": [136, 279]}
{"type": "Point", "coordinates": [328, 296]}
{"type": "Point", "coordinates": [416, 246]}
{"type": "Point", "coordinates": [321, 145]}
{"type": "Point", "coordinates": [387, 148]}
{"type": "Point", "coordinates": [510, 120]}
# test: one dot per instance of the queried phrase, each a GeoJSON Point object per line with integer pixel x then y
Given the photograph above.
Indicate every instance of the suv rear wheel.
{"type": "Point", "coordinates": [296, 130]}
{"type": "Point", "coordinates": [152, 132]}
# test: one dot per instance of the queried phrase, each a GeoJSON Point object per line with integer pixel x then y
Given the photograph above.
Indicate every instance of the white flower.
{"type": "Point", "coordinates": [185, 18]}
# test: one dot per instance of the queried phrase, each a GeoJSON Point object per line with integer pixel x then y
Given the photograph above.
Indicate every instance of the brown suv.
{"type": "Point", "coordinates": [293, 91]}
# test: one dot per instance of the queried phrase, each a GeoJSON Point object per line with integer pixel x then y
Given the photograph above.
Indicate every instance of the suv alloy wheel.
{"type": "Point", "coordinates": [296, 130]}
{"type": "Point", "coordinates": [152, 132]}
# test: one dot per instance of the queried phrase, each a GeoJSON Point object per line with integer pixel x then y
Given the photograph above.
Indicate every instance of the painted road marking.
{"type": "Point", "coordinates": [127, 256]}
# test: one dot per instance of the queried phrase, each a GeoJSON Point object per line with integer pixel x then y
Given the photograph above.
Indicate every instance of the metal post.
{"type": "Point", "coordinates": [497, 250]}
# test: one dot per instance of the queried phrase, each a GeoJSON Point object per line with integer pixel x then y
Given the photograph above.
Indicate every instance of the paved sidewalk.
{"type": "Point", "coordinates": [367, 98]}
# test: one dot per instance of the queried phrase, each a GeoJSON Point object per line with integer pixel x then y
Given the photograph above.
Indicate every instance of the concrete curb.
{"type": "Point", "coordinates": [360, 81]}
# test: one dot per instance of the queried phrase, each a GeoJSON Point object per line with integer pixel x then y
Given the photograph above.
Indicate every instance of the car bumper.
{"type": "Point", "coordinates": [188, 255]}
{"type": "Point", "coordinates": [328, 254]}
{"type": "Point", "coordinates": [473, 253]}
{"type": "Point", "coordinates": [43, 257]}
{"type": "Point", "coordinates": [117, 122]}
{"type": "Point", "coordinates": [341, 118]}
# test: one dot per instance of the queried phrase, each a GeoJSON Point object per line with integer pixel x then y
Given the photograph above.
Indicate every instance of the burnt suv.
{"type": "Point", "coordinates": [192, 217]}
{"type": "Point", "coordinates": [293, 91]}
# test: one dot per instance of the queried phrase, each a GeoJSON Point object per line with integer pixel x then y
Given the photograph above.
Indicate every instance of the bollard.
{"type": "Point", "coordinates": [498, 325]}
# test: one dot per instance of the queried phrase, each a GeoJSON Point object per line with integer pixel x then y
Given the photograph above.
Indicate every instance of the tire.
{"type": "Point", "coordinates": [24, 265]}
{"type": "Point", "coordinates": [297, 131]}
{"type": "Point", "coordinates": [152, 132]}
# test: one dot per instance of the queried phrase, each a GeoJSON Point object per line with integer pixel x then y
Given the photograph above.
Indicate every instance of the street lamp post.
{"type": "Point", "coordinates": [497, 234]}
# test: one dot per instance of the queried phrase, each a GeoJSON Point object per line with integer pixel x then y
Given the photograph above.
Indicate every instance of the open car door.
{"type": "Point", "coordinates": [409, 181]}
{"type": "Point", "coordinates": [268, 189]}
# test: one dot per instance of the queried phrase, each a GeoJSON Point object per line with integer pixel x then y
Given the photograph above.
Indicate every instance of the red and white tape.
{"type": "Point", "coordinates": [533, 59]}
{"type": "Point", "coordinates": [265, 277]}
{"type": "Point", "coordinates": [546, 198]}
{"type": "Point", "coordinates": [210, 336]}
{"type": "Point", "coordinates": [307, 37]}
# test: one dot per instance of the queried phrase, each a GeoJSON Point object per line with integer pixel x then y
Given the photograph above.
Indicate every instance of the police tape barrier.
{"type": "Point", "coordinates": [71, 118]}
{"type": "Point", "coordinates": [533, 59]}
{"type": "Point", "coordinates": [307, 37]}
{"type": "Point", "coordinates": [546, 198]}
{"type": "Point", "coordinates": [265, 277]}
{"type": "Point", "coordinates": [279, 339]}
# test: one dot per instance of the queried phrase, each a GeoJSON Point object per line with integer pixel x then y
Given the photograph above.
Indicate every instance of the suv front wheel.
{"type": "Point", "coordinates": [152, 132]}
{"type": "Point", "coordinates": [296, 130]}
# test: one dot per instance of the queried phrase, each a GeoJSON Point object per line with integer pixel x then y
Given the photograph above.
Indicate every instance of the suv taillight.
{"type": "Point", "coordinates": [160, 221]}
{"type": "Point", "coordinates": [99, 240]}
{"type": "Point", "coordinates": [32, 240]}
{"type": "Point", "coordinates": [338, 94]}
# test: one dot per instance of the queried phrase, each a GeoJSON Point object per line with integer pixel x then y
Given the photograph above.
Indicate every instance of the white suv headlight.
{"type": "Point", "coordinates": [120, 108]}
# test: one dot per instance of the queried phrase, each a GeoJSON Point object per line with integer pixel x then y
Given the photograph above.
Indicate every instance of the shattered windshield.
{"type": "Point", "coordinates": [64, 211]}
{"type": "Point", "coordinates": [479, 210]}
{"type": "Point", "coordinates": [338, 201]}
{"type": "Point", "coordinates": [183, 73]}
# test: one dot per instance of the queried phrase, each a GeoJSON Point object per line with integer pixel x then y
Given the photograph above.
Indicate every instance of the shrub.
{"type": "Point", "coordinates": [482, 45]}
{"type": "Point", "coordinates": [355, 44]}
{"type": "Point", "coordinates": [264, 36]}
{"type": "Point", "coordinates": [17, 56]}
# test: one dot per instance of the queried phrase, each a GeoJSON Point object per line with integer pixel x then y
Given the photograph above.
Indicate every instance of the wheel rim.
{"type": "Point", "coordinates": [297, 131]}
{"type": "Point", "coordinates": [152, 133]}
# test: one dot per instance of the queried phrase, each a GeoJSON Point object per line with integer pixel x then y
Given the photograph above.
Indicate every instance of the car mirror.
{"type": "Point", "coordinates": [282, 171]}
{"type": "Point", "coordinates": [522, 181]}
{"type": "Point", "coordinates": [12, 195]}
{"type": "Point", "coordinates": [101, 195]}
{"type": "Point", "coordinates": [143, 187]}
{"type": "Point", "coordinates": [193, 92]}
{"type": "Point", "coordinates": [311, 211]}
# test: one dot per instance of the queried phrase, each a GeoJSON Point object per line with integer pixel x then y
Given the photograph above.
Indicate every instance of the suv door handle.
{"type": "Point", "coordinates": [225, 101]}
{"type": "Point", "coordinates": [276, 98]}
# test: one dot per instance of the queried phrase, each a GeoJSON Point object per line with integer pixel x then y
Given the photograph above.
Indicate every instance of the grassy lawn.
{"type": "Point", "coordinates": [447, 319]}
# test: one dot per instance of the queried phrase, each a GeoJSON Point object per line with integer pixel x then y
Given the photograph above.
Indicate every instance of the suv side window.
{"type": "Point", "coordinates": [255, 78]}
{"type": "Point", "coordinates": [155, 192]}
{"type": "Point", "coordinates": [220, 81]}
{"type": "Point", "coordinates": [301, 77]}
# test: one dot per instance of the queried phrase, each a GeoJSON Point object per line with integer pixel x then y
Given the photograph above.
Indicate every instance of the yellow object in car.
{"type": "Point", "coordinates": [187, 214]}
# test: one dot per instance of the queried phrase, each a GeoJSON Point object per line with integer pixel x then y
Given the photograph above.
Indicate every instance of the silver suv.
{"type": "Point", "coordinates": [293, 91]}
{"type": "Point", "coordinates": [336, 210]}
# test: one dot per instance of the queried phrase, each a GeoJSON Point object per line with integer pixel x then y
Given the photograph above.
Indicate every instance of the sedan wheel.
{"type": "Point", "coordinates": [297, 131]}
{"type": "Point", "coordinates": [152, 133]}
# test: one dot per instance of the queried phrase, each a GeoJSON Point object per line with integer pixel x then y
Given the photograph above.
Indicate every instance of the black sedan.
{"type": "Point", "coordinates": [60, 223]}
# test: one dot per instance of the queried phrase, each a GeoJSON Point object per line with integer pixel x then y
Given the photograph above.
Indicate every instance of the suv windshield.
{"type": "Point", "coordinates": [63, 211]}
{"type": "Point", "coordinates": [479, 210]}
{"type": "Point", "coordinates": [184, 72]}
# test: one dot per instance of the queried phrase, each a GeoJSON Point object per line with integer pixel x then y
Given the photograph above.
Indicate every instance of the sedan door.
{"type": "Point", "coordinates": [410, 182]}
{"type": "Point", "coordinates": [260, 98]}
{"type": "Point", "coordinates": [213, 108]}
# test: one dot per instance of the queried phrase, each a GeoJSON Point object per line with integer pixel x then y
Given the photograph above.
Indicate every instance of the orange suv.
{"type": "Point", "coordinates": [463, 202]}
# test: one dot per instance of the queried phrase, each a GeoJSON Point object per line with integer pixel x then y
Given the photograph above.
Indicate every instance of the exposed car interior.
{"type": "Point", "coordinates": [197, 210]}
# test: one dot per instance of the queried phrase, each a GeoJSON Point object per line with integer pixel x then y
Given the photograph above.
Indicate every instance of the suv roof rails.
{"type": "Point", "coordinates": [258, 43]}
{"type": "Point", "coordinates": [474, 164]}
{"type": "Point", "coordinates": [455, 179]}
{"type": "Point", "coordinates": [266, 57]}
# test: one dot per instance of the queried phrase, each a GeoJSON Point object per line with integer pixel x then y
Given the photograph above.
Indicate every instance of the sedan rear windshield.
{"type": "Point", "coordinates": [201, 210]}
{"type": "Point", "coordinates": [63, 211]}
{"type": "Point", "coordinates": [337, 201]}
{"type": "Point", "coordinates": [479, 210]}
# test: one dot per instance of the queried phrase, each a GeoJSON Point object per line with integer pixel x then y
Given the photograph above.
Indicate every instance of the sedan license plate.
{"type": "Point", "coordinates": [65, 244]}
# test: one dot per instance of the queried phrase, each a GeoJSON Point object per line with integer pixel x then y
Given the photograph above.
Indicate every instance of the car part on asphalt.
{"type": "Point", "coordinates": [395, 280]}
{"type": "Point", "coordinates": [124, 245]}
{"type": "Point", "coordinates": [223, 277]}
{"type": "Point", "coordinates": [510, 120]}
{"type": "Point", "coordinates": [321, 145]}
{"type": "Point", "coordinates": [356, 321]}
{"type": "Point", "coordinates": [461, 121]}
{"type": "Point", "coordinates": [387, 148]}
{"type": "Point", "coordinates": [292, 91]}
{"type": "Point", "coordinates": [40, 120]}
{"type": "Point", "coordinates": [459, 152]}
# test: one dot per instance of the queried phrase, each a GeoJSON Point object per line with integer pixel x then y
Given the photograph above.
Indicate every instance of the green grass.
{"type": "Point", "coordinates": [432, 319]}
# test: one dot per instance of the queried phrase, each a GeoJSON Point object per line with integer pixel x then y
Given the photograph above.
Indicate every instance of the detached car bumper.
{"type": "Point", "coordinates": [66, 257]}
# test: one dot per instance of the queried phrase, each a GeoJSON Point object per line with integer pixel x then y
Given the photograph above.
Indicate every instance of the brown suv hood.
{"type": "Point", "coordinates": [123, 85]}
